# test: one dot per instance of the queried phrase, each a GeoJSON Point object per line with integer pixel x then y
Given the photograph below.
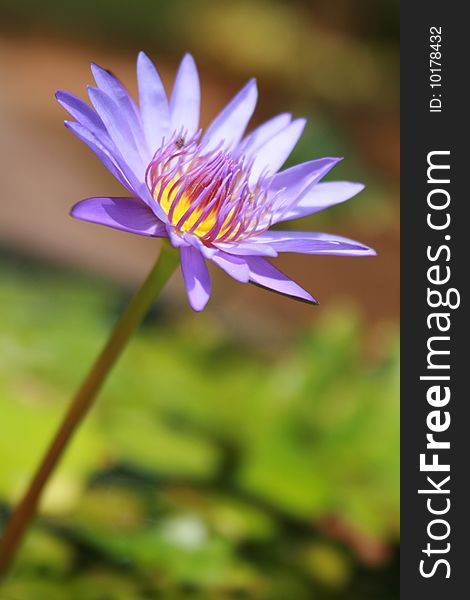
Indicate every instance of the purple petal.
{"type": "Point", "coordinates": [101, 151]}
{"type": "Point", "coordinates": [234, 266]}
{"type": "Point", "coordinates": [259, 136]}
{"type": "Point", "coordinates": [289, 186]}
{"type": "Point", "coordinates": [153, 102]}
{"type": "Point", "coordinates": [126, 214]}
{"type": "Point", "coordinates": [264, 274]}
{"type": "Point", "coordinates": [186, 98]}
{"type": "Point", "coordinates": [196, 277]}
{"type": "Point", "coordinates": [248, 248]}
{"type": "Point", "coordinates": [119, 130]}
{"type": "Point", "coordinates": [177, 238]}
{"type": "Point", "coordinates": [319, 197]}
{"type": "Point", "coordinates": [82, 113]}
{"type": "Point", "coordinates": [231, 123]}
{"type": "Point", "coordinates": [117, 165]}
{"type": "Point", "coordinates": [311, 242]}
{"type": "Point", "coordinates": [270, 157]}
{"type": "Point", "coordinates": [192, 240]}
{"type": "Point", "coordinates": [115, 89]}
{"type": "Point", "coordinates": [299, 178]}
{"type": "Point", "coordinates": [127, 108]}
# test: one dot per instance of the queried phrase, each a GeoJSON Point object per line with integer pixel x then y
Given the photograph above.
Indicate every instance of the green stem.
{"type": "Point", "coordinates": [127, 324]}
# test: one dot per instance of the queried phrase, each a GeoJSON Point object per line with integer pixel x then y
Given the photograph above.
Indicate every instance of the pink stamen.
{"type": "Point", "coordinates": [213, 185]}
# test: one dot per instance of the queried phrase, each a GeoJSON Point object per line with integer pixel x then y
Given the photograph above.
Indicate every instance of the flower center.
{"type": "Point", "coordinates": [206, 193]}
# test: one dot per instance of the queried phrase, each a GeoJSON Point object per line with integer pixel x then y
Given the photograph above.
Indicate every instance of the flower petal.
{"type": "Point", "coordinates": [185, 98]}
{"type": "Point", "coordinates": [319, 197]}
{"type": "Point", "coordinates": [176, 238]}
{"type": "Point", "coordinates": [234, 266]}
{"type": "Point", "coordinates": [312, 242]}
{"type": "Point", "coordinates": [82, 113]}
{"type": "Point", "coordinates": [102, 152]}
{"type": "Point", "coordinates": [196, 277]}
{"type": "Point", "coordinates": [299, 178]}
{"type": "Point", "coordinates": [119, 129]}
{"type": "Point", "coordinates": [113, 88]}
{"type": "Point", "coordinates": [264, 274]}
{"type": "Point", "coordinates": [292, 184]}
{"type": "Point", "coordinates": [264, 132]}
{"type": "Point", "coordinates": [126, 214]}
{"type": "Point", "coordinates": [247, 248]}
{"type": "Point", "coordinates": [270, 157]}
{"type": "Point", "coordinates": [115, 163]}
{"type": "Point", "coordinates": [153, 102]}
{"type": "Point", "coordinates": [229, 126]}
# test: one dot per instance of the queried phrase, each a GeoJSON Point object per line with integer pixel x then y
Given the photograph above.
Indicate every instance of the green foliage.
{"type": "Point", "coordinates": [208, 468]}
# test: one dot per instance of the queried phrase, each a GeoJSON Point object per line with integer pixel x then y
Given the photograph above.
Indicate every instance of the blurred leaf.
{"type": "Point", "coordinates": [206, 464]}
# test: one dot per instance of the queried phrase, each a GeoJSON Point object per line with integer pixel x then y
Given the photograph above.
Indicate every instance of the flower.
{"type": "Point", "coordinates": [214, 194]}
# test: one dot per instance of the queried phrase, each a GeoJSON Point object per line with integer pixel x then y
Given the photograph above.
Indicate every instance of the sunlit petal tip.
{"type": "Point", "coordinates": [153, 102]}
{"type": "Point", "coordinates": [252, 83]}
{"type": "Point", "coordinates": [369, 251]}
{"type": "Point", "coordinates": [306, 298]}
{"type": "Point", "coordinates": [196, 277]}
{"type": "Point", "coordinates": [264, 274]}
{"type": "Point", "coordinates": [188, 57]}
{"type": "Point", "coordinates": [102, 74]}
{"type": "Point", "coordinates": [95, 67]}
{"type": "Point", "coordinates": [185, 98]}
{"type": "Point", "coordinates": [141, 56]}
{"type": "Point", "coordinates": [91, 89]}
{"type": "Point", "coordinates": [145, 65]}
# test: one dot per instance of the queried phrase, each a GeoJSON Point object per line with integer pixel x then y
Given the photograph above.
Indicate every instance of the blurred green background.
{"type": "Point", "coordinates": [248, 452]}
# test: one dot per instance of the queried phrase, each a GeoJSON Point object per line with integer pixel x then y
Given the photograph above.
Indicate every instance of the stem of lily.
{"type": "Point", "coordinates": [131, 318]}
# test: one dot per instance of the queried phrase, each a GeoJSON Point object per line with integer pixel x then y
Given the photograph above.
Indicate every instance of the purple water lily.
{"type": "Point", "coordinates": [214, 194]}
